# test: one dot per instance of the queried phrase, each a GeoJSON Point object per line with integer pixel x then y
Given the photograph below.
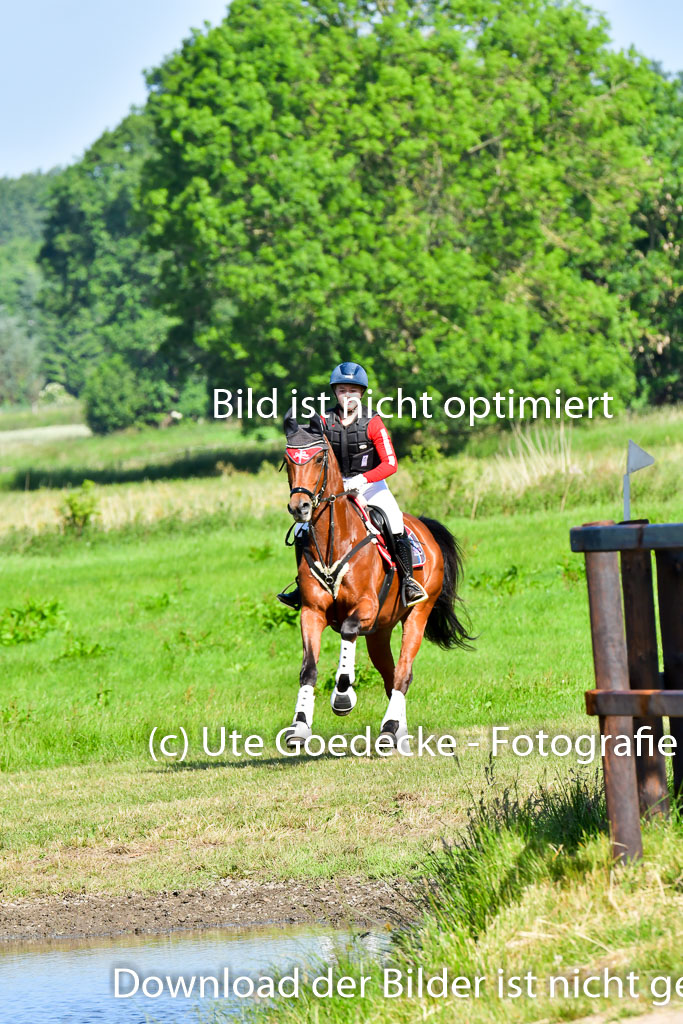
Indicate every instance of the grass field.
{"type": "Point", "coordinates": [161, 613]}
{"type": "Point", "coordinates": [179, 627]}
{"type": "Point", "coordinates": [527, 913]}
{"type": "Point", "coordinates": [193, 471]}
{"type": "Point", "coordinates": [22, 417]}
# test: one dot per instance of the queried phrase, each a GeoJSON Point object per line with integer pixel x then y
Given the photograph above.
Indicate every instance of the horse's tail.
{"type": "Point", "coordinates": [443, 625]}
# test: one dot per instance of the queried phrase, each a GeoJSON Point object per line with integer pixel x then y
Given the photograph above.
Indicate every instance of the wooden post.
{"type": "Point", "coordinates": [670, 590]}
{"type": "Point", "coordinates": [611, 673]}
{"type": "Point", "coordinates": [643, 670]}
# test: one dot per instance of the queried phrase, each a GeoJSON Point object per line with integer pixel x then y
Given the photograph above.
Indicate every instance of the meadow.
{"type": "Point", "coordinates": [159, 611]}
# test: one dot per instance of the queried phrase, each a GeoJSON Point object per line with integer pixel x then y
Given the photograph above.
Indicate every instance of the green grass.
{"type": "Point", "coordinates": [163, 615]}
{"type": "Point", "coordinates": [21, 418]}
{"type": "Point", "coordinates": [177, 625]}
{"type": "Point", "coordinates": [129, 456]}
{"type": "Point", "coordinates": [171, 618]}
{"type": "Point", "coordinates": [528, 890]}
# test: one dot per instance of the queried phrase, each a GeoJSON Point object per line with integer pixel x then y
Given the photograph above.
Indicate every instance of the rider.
{"type": "Point", "coordinates": [366, 457]}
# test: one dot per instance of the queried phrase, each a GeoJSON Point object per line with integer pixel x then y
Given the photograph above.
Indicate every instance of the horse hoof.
{"type": "Point", "coordinates": [344, 701]}
{"type": "Point", "coordinates": [297, 734]}
{"type": "Point", "coordinates": [393, 729]}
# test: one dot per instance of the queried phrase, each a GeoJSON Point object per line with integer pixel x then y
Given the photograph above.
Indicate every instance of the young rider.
{"type": "Point", "coordinates": [366, 457]}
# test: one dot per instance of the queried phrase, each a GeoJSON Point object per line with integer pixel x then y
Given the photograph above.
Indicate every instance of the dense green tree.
{"type": "Point", "coordinates": [444, 191]}
{"type": "Point", "coordinates": [22, 205]}
{"type": "Point", "coordinates": [22, 216]}
{"type": "Point", "coordinates": [650, 274]}
{"type": "Point", "coordinates": [100, 281]}
{"type": "Point", "coordinates": [19, 362]}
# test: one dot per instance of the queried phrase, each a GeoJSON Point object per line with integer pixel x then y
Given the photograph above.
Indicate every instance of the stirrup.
{"type": "Point", "coordinates": [422, 594]}
{"type": "Point", "coordinates": [291, 599]}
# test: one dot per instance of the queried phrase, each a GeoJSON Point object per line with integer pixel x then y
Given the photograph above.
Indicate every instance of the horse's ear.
{"type": "Point", "coordinates": [290, 424]}
{"type": "Point", "coordinates": [316, 425]}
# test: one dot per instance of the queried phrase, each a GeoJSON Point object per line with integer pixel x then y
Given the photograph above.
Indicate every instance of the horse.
{"type": "Point", "coordinates": [342, 587]}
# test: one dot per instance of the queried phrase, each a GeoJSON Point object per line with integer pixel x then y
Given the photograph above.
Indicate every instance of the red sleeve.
{"type": "Point", "coordinates": [379, 435]}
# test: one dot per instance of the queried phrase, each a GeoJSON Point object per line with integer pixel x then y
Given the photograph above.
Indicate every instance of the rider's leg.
{"type": "Point", "coordinates": [293, 598]}
{"type": "Point", "coordinates": [412, 592]}
{"type": "Point", "coordinates": [379, 494]}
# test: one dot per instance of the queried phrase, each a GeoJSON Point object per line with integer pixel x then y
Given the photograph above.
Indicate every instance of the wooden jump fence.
{"type": "Point", "coordinates": [631, 693]}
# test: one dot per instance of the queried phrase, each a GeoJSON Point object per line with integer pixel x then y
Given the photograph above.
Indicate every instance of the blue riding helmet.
{"type": "Point", "coordinates": [349, 373]}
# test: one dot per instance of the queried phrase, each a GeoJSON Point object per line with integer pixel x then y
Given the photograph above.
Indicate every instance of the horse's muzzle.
{"type": "Point", "coordinates": [301, 512]}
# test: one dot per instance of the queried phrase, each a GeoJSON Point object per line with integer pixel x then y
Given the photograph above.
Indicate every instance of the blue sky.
{"type": "Point", "coordinates": [71, 69]}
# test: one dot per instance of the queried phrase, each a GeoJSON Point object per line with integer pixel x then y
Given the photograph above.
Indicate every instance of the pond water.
{"type": "Point", "coordinates": [76, 982]}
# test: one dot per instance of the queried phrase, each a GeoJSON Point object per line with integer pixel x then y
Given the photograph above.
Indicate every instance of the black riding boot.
{"type": "Point", "coordinates": [412, 592]}
{"type": "Point", "coordinates": [293, 598]}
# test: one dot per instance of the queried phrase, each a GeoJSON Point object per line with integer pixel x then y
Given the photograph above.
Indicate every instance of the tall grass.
{"type": "Point", "coordinates": [511, 841]}
{"type": "Point", "coordinates": [192, 472]}
{"type": "Point", "coordinates": [548, 468]}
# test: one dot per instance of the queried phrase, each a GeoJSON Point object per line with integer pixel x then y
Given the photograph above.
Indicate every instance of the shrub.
{"type": "Point", "coordinates": [28, 623]}
{"type": "Point", "coordinates": [193, 401]}
{"type": "Point", "coordinates": [153, 398]}
{"type": "Point", "coordinates": [79, 508]}
{"type": "Point", "coordinates": [111, 398]}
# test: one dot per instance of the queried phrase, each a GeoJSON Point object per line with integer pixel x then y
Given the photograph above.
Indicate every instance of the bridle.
{"type": "Point", "coordinates": [316, 495]}
{"type": "Point", "coordinates": [318, 499]}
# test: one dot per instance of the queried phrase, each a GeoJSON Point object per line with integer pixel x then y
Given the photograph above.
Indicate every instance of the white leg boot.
{"type": "Point", "coordinates": [395, 722]}
{"type": "Point", "coordinates": [302, 726]}
{"type": "Point", "coordinates": [343, 699]}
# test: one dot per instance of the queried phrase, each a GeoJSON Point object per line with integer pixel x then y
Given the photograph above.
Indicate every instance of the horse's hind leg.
{"type": "Point", "coordinates": [379, 649]}
{"type": "Point", "coordinates": [343, 699]}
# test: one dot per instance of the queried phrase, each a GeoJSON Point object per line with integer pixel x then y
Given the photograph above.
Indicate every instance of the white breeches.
{"type": "Point", "coordinates": [379, 494]}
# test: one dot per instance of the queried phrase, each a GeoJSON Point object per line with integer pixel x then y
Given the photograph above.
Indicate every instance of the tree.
{"type": "Point", "coordinates": [650, 275]}
{"type": "Point", "coordinates": [443, 191]}
{"type": "Point", "coordinates": [22, 215]}
{"type": "Point", "coordinates": [19, 363]}
{"type": "Point", "coordinates": [22, 205]}
{"type": "Point", "coordinates": [100, 280]}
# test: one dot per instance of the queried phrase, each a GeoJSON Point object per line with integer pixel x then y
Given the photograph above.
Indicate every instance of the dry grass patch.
{"type": "Point", "coordinates": [128, 827]}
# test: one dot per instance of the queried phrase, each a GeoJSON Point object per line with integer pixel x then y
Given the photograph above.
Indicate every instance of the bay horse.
{"type": "Point", "coordinates": [341, 576]}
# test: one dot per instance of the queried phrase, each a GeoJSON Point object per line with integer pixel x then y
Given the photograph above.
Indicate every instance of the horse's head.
{"type": "Point", "coordinates": [307, 459]}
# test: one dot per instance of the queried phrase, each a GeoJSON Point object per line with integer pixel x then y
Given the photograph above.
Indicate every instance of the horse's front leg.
{"type": "Point", "coordinates": [313, 622]}
{"type": "Point", "coordinates": [343, 699]}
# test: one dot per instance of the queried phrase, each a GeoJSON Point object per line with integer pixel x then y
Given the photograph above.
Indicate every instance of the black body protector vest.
{"type": "Point", "coordinates": [353, 448]}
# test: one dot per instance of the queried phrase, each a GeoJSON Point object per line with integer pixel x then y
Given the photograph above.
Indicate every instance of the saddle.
{"type": "Point", "coordinates": [379, 520]}
{"type": "Point", "coordinates": [377, 523]}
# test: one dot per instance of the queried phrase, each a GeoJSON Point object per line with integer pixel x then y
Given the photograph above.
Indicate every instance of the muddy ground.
{"type": "Point", "coordinates": [234, 903]}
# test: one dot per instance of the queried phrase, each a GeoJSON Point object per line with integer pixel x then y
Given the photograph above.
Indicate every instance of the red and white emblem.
{"type": "Point", "coordinates": [303, 455]}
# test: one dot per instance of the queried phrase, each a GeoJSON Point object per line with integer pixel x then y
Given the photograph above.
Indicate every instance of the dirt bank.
{"type": "Point", "coordinates": [237, 903]}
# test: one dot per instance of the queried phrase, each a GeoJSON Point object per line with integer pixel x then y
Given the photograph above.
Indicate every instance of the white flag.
{"type": "Point", "coordinates": [637, 458]}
